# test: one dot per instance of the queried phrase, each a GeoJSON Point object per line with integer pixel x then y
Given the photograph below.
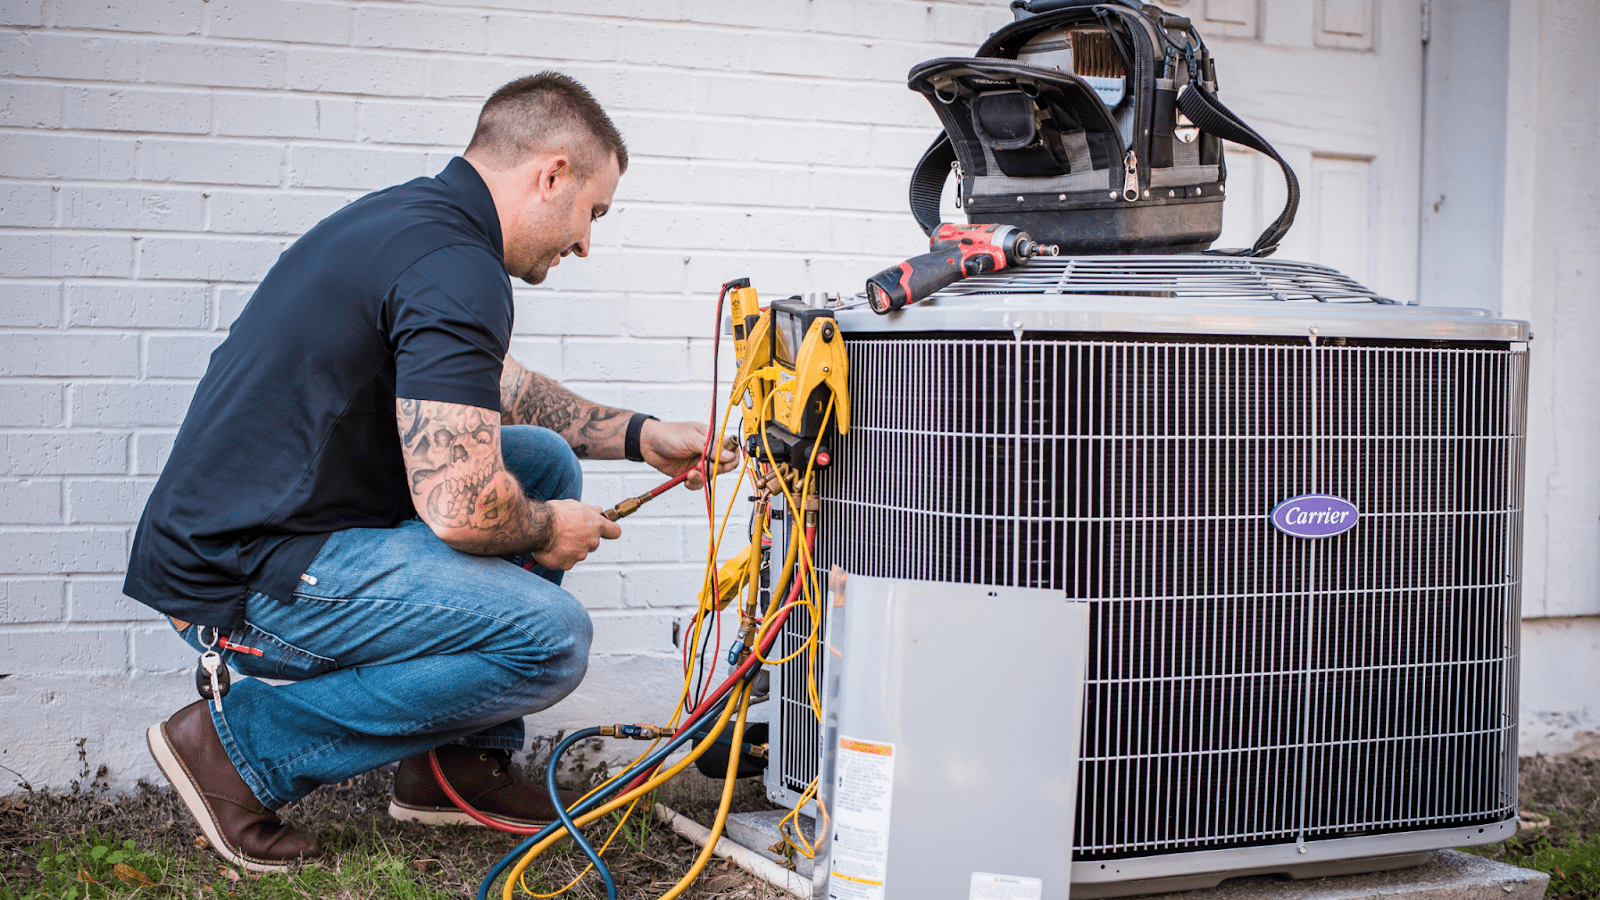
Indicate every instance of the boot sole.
{"type": "Point", "coordinates": [450, 816]}
{"type": "Point", "coordinates": [178, 775]}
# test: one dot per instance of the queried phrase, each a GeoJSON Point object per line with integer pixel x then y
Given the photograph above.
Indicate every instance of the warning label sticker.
{"type": "Point", "coordinates": [863, 788]}
{"type": "Point", "coordinates": [988, 886]}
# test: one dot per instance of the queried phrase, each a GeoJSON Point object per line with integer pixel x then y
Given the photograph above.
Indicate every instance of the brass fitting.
{"type": "Point", "coordinates": [638, 732]}
{"type": "Point", "coordinates": [742, 644]}
{"type": "Point", "coordinates": [626, 507]}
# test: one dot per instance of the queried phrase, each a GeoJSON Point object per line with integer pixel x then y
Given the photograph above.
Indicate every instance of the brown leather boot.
{"type": "Point", "coordinates": [240, 829]}
{"type": "Point", "coordinates": [484, 778]}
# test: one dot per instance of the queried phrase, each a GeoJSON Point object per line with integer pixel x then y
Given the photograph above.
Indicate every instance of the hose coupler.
{"type": "Point", "coordinates": [638, 732]}
{"type": "Point", "coordinates": [626, 508]}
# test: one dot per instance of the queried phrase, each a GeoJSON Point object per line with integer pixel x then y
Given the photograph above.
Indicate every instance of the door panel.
{"type": "Point", "coordinates": [1230, 18]}
{"type": "Point", "coordinates": [1346, 24]}
{"type": "Point", "coordinates": [1342, 200]}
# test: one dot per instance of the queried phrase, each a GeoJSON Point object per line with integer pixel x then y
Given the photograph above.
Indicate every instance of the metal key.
{"type": "Point", "coordinates": [212, 678]}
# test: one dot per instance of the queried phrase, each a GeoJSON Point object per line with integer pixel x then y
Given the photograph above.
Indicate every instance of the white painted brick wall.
{"type": "Point", "coordinates": [157, 155]}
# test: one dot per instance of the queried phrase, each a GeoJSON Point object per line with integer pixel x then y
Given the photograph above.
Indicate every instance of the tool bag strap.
{"type": "Point", "coordinates": [1209, 115]}
{"type": "Point", "coordinates": [927, 182]}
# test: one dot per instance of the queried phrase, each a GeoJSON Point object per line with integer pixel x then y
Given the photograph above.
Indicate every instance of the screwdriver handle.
{"type": "Point", "coordinates": [918, 277]}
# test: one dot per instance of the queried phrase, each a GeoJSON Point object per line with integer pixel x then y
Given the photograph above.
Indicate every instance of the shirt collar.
{"type": "Point", "coordinates": [467, 185]}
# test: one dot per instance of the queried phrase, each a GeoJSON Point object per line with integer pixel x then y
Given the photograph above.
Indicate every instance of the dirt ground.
{"type": "Point", "coordinates": [355, 813]}
{"type": "Point", "coordinates": [1563, 790]}
{"type": "Point", "coordinates": [1567, 790]}
{"type": "Point", "coordinates": [1567, 787]}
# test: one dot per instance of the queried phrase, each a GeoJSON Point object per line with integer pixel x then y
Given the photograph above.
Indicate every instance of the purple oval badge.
{"type": "Point", "coordinates": [1315, 516]}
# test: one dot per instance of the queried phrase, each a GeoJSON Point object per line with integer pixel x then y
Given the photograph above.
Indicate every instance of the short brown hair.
{"type": "Point", "coordinates": [542, 113]}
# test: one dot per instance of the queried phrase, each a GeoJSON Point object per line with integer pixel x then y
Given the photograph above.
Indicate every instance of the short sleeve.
{"type": "Point", "coordinates": [449, 318]}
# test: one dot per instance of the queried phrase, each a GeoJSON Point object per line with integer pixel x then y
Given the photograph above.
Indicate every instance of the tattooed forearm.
{"type": "Point", "coordinates": [467, 501]}
{"type": "Point", "coordinates": [409, 408]}
{"type": "Point", "coordinates": [528, 398]}
{"type": "Point", "coordinates": [458, 481]}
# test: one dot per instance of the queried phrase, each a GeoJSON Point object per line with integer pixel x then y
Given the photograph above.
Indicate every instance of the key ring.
{"type": "Point", "coordinates": [215, 637]}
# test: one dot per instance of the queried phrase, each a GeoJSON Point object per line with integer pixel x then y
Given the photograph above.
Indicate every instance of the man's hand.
{"type": "Point", "coordinates": [575, 530]}
{"type": "Point", "coordinates": [673, 447]}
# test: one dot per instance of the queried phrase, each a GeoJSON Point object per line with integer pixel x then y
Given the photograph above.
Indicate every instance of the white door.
{"type": "Point", "coordinates": [1336, 87]}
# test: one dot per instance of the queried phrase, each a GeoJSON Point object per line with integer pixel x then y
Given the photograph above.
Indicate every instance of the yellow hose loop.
{"type": "Point", "coordinates": [659, 779]}
{"type": "Point", "coordinates": [523, 879]}
{"type": "Point", "coordinates": [792, 818]}
{"type": "Point", "coordinates": [722, 808]}
{"type": "Point", "coordinates": [810, 640]}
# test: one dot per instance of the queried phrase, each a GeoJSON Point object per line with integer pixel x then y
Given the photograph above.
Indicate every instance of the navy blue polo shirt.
{"type": "Point", "coordinates": [291, 434]}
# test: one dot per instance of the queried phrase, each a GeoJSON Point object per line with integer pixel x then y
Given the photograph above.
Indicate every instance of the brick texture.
{"type": "Point", "coordinates": [158, 155]}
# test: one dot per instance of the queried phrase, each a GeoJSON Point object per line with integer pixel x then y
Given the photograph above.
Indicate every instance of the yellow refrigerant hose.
{"type": "Point", "coordinates": [785, 595]}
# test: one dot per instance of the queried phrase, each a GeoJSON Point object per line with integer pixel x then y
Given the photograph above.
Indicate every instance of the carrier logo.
{"type": "Point", "coordinates": [1315, 516]}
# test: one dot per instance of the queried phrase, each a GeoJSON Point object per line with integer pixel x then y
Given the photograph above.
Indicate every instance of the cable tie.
{"type": "Point", "coordinates": [226, 644]}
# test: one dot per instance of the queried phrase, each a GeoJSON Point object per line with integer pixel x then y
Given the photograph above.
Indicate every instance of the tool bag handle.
{"type": "Point", "coordinates": [1209, 115]}
{"type": "Point", "coordinates": [1203, 109]}
{"type": "Point", "coordinates": [927, 182]}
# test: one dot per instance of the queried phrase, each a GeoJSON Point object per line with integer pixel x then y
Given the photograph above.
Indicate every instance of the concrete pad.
{"type": "Point", "coordinates": [1450, 876]}
{"type": "Point", "coordinates": [758, 831]}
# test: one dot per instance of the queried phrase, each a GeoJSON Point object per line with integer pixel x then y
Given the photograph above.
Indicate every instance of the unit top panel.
{"type": "Point", "coordinates": [1189, 294]}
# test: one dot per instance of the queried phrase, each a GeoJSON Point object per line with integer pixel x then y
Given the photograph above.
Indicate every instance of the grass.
{"type": "Point", "coordinates": [94, 866]}
{"type": "Point", "coordinates": [1571, 859]}
{"type": "Point", "coordinates": [86, 844]}
{"type": "Point", "coordinates": [1574, 868]}
{"type": "Point", "coordinates": [69, 845]}
{"type": "Point", "coordinates": [1564, 793]}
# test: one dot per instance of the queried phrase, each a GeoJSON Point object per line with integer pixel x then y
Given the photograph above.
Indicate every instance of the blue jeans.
{"type": "Point", "coordinates": [396, 644]}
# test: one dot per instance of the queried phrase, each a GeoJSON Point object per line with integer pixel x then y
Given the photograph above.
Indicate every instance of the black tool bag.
{"type": "Point", "coordinates": [1066, 124]}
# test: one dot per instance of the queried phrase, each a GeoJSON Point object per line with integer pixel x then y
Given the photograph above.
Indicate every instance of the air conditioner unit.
{"type": "Point", "coordinates": [1123, 429]}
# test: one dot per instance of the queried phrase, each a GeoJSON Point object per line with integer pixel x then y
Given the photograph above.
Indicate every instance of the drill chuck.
{"type": "Point", "coordinates": [1027, 249]}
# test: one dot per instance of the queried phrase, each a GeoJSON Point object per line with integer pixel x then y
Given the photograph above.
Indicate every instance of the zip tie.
{"type": "Point", "coordinates": [226, 644]}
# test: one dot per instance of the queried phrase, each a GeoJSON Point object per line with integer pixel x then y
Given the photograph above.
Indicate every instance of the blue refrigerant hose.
{"type": "Point", "coordinates": [643, 765]}
{"type": "Point", "coordinates": [566, 817]}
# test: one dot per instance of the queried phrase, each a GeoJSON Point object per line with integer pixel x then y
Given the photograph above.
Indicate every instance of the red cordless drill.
{"type": "Point", "coordinates": [958, 251]}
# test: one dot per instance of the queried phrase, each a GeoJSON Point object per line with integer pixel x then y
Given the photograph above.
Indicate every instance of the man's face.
{"type": "Point", "coordinates": [556, 219]}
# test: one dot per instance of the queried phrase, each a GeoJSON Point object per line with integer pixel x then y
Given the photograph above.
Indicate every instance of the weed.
{"type": "Point", "coordinates": [634, 831]}
{"type": "Point", "coordinates": [93, 867]}
{"type": "Point", "coordinates": [21, 781]}
{"type": "Point", "coordinates": [1573, 867]}
{"type": "Point", "coordinates": [98, 783]}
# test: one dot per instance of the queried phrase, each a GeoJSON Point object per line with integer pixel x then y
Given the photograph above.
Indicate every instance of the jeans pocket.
{"type": "Point", "coordinates": [278, 658]}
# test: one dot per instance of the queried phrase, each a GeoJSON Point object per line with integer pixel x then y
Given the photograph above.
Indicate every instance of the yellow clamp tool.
{"type": "Point", "coordinates": [734, 575]}
{"type": "Point", "coordinates": [752, 347]}
{"type": "Point", "coordinates": [795, 350]}
{"type": "Point", "coordinates": [812, 365]}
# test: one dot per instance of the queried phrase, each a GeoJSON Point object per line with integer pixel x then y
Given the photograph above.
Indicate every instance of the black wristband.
{"type": "Point", "coordinates": [630, 440]}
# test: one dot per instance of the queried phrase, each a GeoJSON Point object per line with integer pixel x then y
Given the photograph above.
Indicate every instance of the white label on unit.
{"type": "Point", "coordinates": [988, 886]}
{"type": "Point", "coordinates": [863, 788]}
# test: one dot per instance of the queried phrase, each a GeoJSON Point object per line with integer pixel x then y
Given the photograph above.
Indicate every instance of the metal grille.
{"type": "Point", "coordinates": [1245, 687]}
{"type": "Point", "coordinates": [1189, 277]}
